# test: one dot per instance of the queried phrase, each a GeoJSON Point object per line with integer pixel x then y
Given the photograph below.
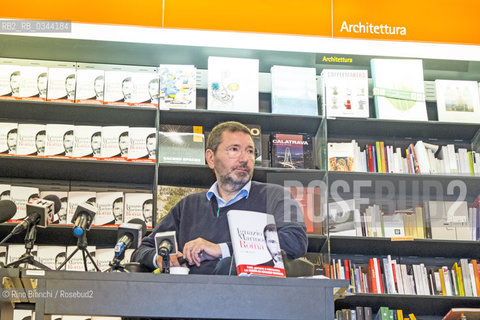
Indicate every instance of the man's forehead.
{"type": "Point", "coordinates": [232, 135]}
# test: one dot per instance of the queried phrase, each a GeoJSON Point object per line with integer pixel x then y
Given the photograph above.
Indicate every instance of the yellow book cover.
{"type": "Point", "coordinates": [412, 316]}
{"type": "Point", "coordinates": [459, 279]}
{"type": "Point", "coordinates": [384, 159]}
{"type": "Point", "coordinates": [442, 282]}
{"type": "Point", "coordinates": [399, 314]}
{"type": "Point", "coordinates": [420, 228]}
{"type": "Point", "coordinates": [379, 156]}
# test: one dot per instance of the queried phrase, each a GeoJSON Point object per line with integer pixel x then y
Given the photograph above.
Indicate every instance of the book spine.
{"type": "Point", "coordinates": [379, 157]}
{"type": "Point", "coordinates": [476, 276]}
{"type": "Point", "coordinates": [384, 158]}
{"type": "Point", "coordinates": [370, 160]}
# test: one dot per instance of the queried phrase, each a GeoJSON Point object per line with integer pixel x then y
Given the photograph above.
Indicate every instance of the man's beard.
{"type": "Point", "coordinates": [233, 183]}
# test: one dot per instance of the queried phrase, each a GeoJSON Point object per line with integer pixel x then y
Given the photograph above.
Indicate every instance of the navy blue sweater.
{"type": "Point", "coordinates": [195, 216]}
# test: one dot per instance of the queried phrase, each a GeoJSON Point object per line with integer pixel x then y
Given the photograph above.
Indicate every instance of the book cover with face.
{"type": "Point", "coordinates": [145, 88]}
{"type": "Point", "coordinates": [52, 256]}
{"type": "Point", "coordinates": [21, 196]}
{"type": "Point", "coordinates": [118, 86]}
{"type": "Point", "coordinates": [109, 208]}
{"type": "Point", "coordinates": [90, 84]}
{"type": "Point", "coordinates": [59, 140]}
{"type": "Point", "coordinates": [62, 82]}
{"type": "Point", "coordinates": [143, 143]}
{"type": "Point", "coordinates": [31, 139]}
{"type": "Point", "coordinates": [115, 142]}
{"type": "Point", "coordinates": [8, 137]}
{"type": "Point", "coordinates": [139, 206]}
{"type": "Point", "coordinates": [9, 79]}
{"type": "Point", "coordinates": [88, 141]}
{"type": "Point", "coordinates": [33, 81]}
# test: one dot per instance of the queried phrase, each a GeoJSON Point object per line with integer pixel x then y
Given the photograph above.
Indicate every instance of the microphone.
{"type": "Point", "coordinates": [7, 210]}
{"type": "Point", "coordinates": [39, 212]}
{"type": "Point", "coordinates": [130, 235]}
{"type": "Point", "coordinates": [166, 243]}
{"type": "Point", "coordinates": [83, 218]}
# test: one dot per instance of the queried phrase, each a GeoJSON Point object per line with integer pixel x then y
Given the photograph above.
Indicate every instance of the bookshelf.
{"type": "Point", "coordinates": [104, 174]}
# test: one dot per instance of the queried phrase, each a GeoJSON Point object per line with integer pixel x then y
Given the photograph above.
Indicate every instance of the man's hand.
{"type": "Point", "coordinates": [198, 250]}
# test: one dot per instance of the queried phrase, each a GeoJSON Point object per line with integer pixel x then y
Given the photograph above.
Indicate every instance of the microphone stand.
{"type": "Point", "coordinates": [115, 264]}
{"type": "Point", "coordinates": [27, 257]}
{"type": "Point", "coordinates": [81, 245]}
{"type": "Point", "coordinates": [165, 263]}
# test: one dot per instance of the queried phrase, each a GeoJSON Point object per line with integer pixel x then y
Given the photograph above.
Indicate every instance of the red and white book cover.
{"type": "Point", "coordinates": [139, 206]}
{"type": "Point", "coordinates": [115, 142]}
{"type": "Point", "coordinates": [52, 256]}
{"type": "Point", "coordinates": [31, 139]}
{"type": "Point", "coordinates": [87, 141]}
{"type": "Point", "coordinates": [59, 141]}
{"type": "Point", "coordinates": [90, 84]}
{"type": "Point", "coordinates": [143, 144]}
{"type": "Point", "coordinates": [33, 81]}
{"type": "Point", "coordinates": [256, 247]}
{"type": "Point", "coordinates": [109, 209]}
{"type": "Point", "coordinates": [9, 78]}
{"type": "Point", "coordinates": [61, 216]}
{"type": "Point", "coordinates": [62, 82]}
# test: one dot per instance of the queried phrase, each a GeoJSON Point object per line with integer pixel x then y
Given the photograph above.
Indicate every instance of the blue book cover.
{"type": "Point", "coordinates": [294, 90]}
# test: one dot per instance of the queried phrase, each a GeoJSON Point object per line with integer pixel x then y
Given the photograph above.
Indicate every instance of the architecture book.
{"type": "Point", "coordinates": [256, 248]}
{"type": "Point", "coordinates": [294, 90]}
{"type": "Point", "coordinates": [232, 84]}
{"type": "Point", "coordinates": [345, 93]}
{"type": "Point", "coordinates": [293, 151]}
{"type": "Point", "coordinates": [341, 156]}
{"type": "Point", "coordinates": [178, 86]}
{"type": "Point", "coordinates": [398, 88]}
{"type": "Point", "coordinates": [458, 101]}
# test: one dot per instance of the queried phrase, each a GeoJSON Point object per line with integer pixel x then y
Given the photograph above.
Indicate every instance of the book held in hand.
{"type": "Point", "coordinates": [256, 248]}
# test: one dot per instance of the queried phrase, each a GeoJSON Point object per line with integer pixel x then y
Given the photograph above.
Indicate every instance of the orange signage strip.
{"type": "Point", "coordinates": [123, 12]}
{"type": "Point", "coordinates": [409, 20]}
{"type": "Point", "coordinates": [439, 21]}
{"type": "Point", "coordinates": [311, 17]}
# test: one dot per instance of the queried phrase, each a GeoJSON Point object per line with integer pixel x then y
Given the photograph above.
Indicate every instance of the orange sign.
{"type": "Point", "coordinates": [310, 17]}
{"type": "Point", "coordinates": [125, 12]}
{"type": "Point", "coordinates": [409, 20]}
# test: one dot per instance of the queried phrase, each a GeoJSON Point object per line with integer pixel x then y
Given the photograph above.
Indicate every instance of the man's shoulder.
{"type": "Point", "coordinates": [265, 187]}
{"type": "Point", "coordinates": [194, 197]}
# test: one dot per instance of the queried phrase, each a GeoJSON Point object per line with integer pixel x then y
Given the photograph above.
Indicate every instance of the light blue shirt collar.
{"type": "Point", "coordinates": [243, 193]}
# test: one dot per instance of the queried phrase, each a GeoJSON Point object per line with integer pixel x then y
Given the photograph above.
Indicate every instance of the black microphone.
{"type": "Point", "coordinates": [83, 218]}
{"type": "Point", "coordinates": [130, 235]}
{"type": "Point", "coordinates": [7, 210]}
{"type": "Point", "coordinates": [166, 243]}
{"type": "Point", "coordinates": [39, 212]}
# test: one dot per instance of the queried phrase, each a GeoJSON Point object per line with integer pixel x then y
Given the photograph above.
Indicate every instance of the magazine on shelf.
{"type": "Point", "coordinates": [178, 87]}
{"type": "Point", "coordinates": [294, 90]}
{"type": "Point", "coordinates": [256, 248]}
{"type": "Point", "coordinates": [398, 88]}
{"type": "Point", "coordinates": [232, 84]}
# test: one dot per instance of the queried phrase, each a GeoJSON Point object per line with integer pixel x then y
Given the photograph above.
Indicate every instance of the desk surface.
{"type": "Point", "coordinates": [184, 296]}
